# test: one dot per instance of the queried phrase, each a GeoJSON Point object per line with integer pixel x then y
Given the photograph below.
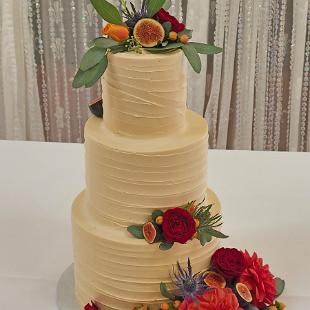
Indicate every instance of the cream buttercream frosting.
{"type": "Point", "coordinates": [148, 152]}
{"type": "Point", "coordinates": [144, 94]}
{"type": "Point", "coordinates": [128, 178]}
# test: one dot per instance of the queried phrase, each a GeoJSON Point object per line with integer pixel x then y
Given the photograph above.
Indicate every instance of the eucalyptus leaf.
{"type": "Point", "coordinates": [167, 5]}
{"type": "Point", "coordinates": [92, 57]}
{"type": "Point", "coordinates": [216, 233]}
{"type": "Point", "coordinates": [204, 237]}
{"type": "Point", "coordinates": [107, 11]}
{"type": "Point", "coordinates": [203, 48]}
{"type": "Point", "coordinates": [280, 285]}
{"type": "Point", "coordinates": [192, 56]}
{"type": "Point", "coordinates": [79, 78]}
{"type": "Point", "coordinates": [104, 43]}
{"type": "Point", "coordinates": [165, 292]}
{"type": "Point", "coordinates": [168, 48]}
{"type": "Point", "coordinates": [136, 231]}
{"type": "Point", "coordinates": [118, 49]}
{"type": "Point", "coordinates": [164, 246]}
{"type": "Point", "coordinates": [153, 6]}
{"type": "Point", "coordinates": [94, 74]}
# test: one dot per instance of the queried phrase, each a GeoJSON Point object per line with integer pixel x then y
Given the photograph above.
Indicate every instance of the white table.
{"type": "Point", "coordinates": [265, 196]}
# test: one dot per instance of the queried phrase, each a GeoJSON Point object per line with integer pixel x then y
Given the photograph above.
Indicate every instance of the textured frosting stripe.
{"type": "Point", "coordinates": [144, 94]}
{"type": "Point", "coordinates": [125, 183]}
{"type": "Point", "coordinates": [120, 271]}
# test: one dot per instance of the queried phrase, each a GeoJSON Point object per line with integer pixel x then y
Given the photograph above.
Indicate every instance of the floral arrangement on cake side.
{"type": "Point", "coordinates": [150, 28]}
{"type": "Point", "coordinates": [180, 225]}
{"type": "Point", "coordinates": [235, 280]}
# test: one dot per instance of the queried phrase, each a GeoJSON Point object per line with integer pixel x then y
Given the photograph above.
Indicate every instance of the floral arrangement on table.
{"type": "Point", "coordinates": [182, 224]}
{"type": "Point", "coordinates": [151, 28]}
{"type": "Point", "coordinates": [235, 280]}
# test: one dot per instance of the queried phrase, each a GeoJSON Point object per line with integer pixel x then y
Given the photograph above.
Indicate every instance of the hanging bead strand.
{"type": "Point", "coordinates": [279, 74]}
{"type": "Point", "coordinates": [305, 90]}
{"type": "Point", "coordinates": [44, 90]}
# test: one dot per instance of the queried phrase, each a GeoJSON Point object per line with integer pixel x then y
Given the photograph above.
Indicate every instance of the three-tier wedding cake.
{"type": "Point", "coordinates": [146, 163]}
{"type": "Point", "coordinates": [148, 152]}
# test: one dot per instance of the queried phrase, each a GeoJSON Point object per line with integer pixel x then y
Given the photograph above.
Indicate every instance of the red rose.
{"type": "Point", "coordinates": [163, 16]}
{"type": "Point", "coordinates": [259, 280]}
{"type": "Point", "coordinates": [178, 225]}
{"type": "Point", "coordinates": [230, 263]}
{"type": "Point", "coordinates": [91, 306]}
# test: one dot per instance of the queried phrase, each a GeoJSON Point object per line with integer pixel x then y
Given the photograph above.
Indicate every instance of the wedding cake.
{"type": "Point", "coordinates": [147, 154]}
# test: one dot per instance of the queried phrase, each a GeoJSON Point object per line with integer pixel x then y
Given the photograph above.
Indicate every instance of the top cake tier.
{"type": "Point", "coordinates": [144, 94]}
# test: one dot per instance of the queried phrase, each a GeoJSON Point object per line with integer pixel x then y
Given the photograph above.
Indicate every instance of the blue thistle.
{"type": "Point", "coordinates": [189, 285]}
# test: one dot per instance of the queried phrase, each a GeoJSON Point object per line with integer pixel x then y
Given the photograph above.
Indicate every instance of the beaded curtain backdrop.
{"type": "Point", "coordinates": [255, 95]}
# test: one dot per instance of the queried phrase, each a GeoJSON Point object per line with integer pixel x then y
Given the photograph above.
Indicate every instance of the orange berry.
{"type": "Point", "coordinates": [193, 207]}
{"type": "Point", "coordinates": [184, 38]}
{"type": "Point", "coordinates": [173, 36]}
{"type": "Point", "coordinates": [164, 306]}
{"type": "Point", "coordinates": [159, 220]}
{"type": "Point", "coordinates": [197, 223]}
{"type": "Point", "coordinates": [281, 305]}
{"type": "Point", "coordinates": [176, 304]}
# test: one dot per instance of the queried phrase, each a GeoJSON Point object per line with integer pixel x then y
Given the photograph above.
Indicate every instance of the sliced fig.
{"type": "Point", "coordinates": [215, 280]}
{"type": "Point", "coordinates": [150, 232]}
{"type": "Point", "coordinates": [243, 294]}
{"type": "Point", "coordinates": [149, 32]}
{"type": "Point", "coordinates": [96, 107]}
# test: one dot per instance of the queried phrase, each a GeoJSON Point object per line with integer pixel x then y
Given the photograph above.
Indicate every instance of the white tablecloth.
{"type": "Point", "coordinates": [265, 197]}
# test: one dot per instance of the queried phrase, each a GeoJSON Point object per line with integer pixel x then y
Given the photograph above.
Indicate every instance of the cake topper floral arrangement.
{"type": "Point", "coordinates": [150, 28]}
{"type": "Point", "coordinates": [235, 280]}
{"type": "Point", "coordinates": [180, 225]}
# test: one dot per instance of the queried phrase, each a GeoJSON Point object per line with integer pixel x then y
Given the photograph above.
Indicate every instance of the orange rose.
{"type": "Point", "coordinates": [117, 33]}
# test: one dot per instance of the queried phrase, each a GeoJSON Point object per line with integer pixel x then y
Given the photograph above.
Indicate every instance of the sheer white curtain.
{"type": "Point", "coordinates": [20, 113]}
{"type": "Point", "coordinates": [255, 95]}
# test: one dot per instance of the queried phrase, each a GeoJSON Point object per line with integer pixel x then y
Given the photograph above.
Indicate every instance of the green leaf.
{"type": "Point", "coordinates": [164, 291]}
{"type": "Point", "coordinates": [95, 73]}
{"type": "Point", "coordinates": [167, 26]}
{"type": "Point", "coordinates": [107, 11]}
{"type": "Point", "coordinates": [192, 56]}
{"type": "Point", "coordinates": [216, 233]}
{"type": "Point", "coordinates": [153, 6]}
{"type": "Point", "coordinates": [203, 48]}
{"type": "Point", "coordinates": [170, 47]}
{"type": "Point", "coordinates": [156, 214]}
{"type": "Point", "coordinates": [204, 237]}
{"type": "Point", "coordinates": [136, 231]}
{"type": "Point", "coordinates": [91, 58]}
{"type": "Point", "coordinates": [78, 80]}
{"type": "Point", "coordinates": [104, 43]}
{"type": "Point", "coordinates": [164, 246]}
{"type": "Point", "coordinates": [167, 5]}
{"type": "Point", "coordinates": [118, 49]}
{"type": "Point", "coordinates": [280, 285]}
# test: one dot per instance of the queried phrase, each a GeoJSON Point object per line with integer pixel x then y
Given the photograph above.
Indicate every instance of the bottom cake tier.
{"type": "Point", "coordinates": [118, 271]}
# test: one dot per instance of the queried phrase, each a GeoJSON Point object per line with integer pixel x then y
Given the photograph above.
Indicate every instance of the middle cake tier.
{"type": "Point", "coordinates": [128, 177]}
